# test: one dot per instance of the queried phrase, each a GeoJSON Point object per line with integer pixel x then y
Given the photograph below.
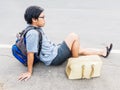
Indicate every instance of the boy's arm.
{"type": "Point", "coordinates": [25, 76]}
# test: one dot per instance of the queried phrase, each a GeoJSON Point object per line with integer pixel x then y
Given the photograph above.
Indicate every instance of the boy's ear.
{"type": "Point", "coordinates": [34, 20]}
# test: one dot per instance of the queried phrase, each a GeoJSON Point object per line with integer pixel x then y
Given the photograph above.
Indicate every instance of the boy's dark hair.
{"type": "Point", "coordinates": [32, 12]}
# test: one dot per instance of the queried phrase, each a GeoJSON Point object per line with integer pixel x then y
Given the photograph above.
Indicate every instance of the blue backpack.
{"type": "Point", "coordinates": [19, 48]}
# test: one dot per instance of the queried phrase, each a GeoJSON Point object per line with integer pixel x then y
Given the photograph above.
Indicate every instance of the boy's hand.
{"type": "Point", "coordinates": [24, 76]}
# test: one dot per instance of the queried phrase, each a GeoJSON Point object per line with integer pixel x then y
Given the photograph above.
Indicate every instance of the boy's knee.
{"type": "Point", "coordinates": [73, 36]}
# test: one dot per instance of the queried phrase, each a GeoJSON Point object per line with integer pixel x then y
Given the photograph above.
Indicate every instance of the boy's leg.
{"type": "Point", "coordinates": [73, 43]}
{"type": "Point", "coordinates": [101, 52]}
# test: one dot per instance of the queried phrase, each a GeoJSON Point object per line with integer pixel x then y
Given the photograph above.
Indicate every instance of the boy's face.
{"type": "Point", "coordinates": [40, 22]}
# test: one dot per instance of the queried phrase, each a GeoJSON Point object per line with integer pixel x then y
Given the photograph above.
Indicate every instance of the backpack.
{"type": "Point", "coordinates": [19, 50]}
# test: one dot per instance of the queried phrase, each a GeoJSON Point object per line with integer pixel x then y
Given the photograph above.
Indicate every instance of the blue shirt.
{"type": "Point", "coordinates": [48, 50]}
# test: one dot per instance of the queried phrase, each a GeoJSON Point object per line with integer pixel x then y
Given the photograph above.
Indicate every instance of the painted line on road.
{"type": "Point", "coordinates": [113, 51]}
{"type": "Point", "coordinates": [7, 46]}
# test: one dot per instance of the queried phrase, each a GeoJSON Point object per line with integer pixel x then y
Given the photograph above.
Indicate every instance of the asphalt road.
{"type": "Point", "coordinates": [96, 22]}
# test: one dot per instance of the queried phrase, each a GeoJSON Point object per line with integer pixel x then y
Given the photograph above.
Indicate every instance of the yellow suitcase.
{"type": "Point", "coordinates": [84, 67]}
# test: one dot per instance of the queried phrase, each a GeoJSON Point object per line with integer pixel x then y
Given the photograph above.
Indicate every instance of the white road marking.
{"type": "Point", "coordinates": [113, 51]}
{"type": "Point", "coordinates": [7, 46]}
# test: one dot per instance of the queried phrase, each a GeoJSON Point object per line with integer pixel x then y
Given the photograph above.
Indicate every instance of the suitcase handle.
{"type": "Point", "coordinates": [83, 70]}
{"type": "Point", "coordinates": [92, 70]}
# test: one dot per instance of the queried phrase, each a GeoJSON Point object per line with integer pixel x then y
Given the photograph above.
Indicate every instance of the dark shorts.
{"type": "Point", "coordinates": [63, 54]}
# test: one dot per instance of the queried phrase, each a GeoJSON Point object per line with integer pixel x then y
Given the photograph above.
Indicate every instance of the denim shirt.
{"type": "Point", "coordinates": [48, 50]}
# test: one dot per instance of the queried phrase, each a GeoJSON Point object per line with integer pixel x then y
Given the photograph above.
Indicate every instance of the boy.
{"type": "Point", "coordinates": [51, 54]}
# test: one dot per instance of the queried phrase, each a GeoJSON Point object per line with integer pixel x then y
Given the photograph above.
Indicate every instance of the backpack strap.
{"type": "Point", "coordinates": [39, 42]}
{"type": "Point", "coordinates": [24, 32]}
